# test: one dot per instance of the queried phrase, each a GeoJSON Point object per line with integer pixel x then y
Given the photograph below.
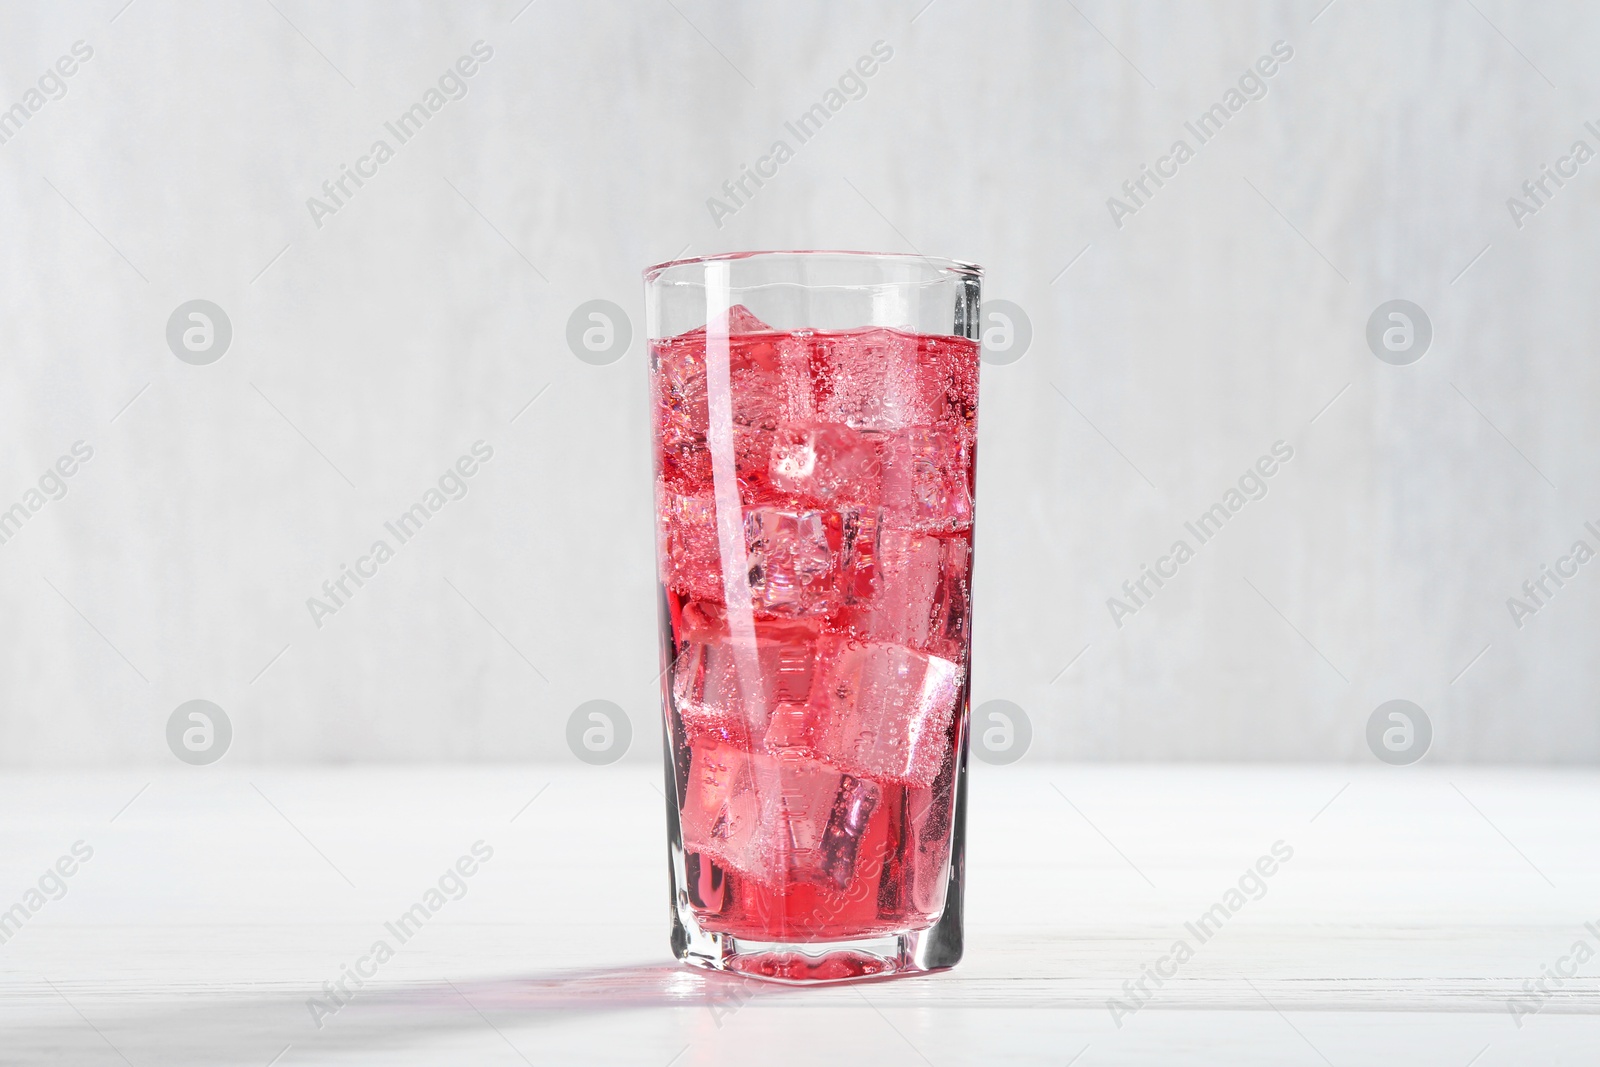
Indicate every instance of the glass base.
{"type": "Point", "coordinates": [905, 952]}
{"type": "Point", "coordinates": [912, 952]}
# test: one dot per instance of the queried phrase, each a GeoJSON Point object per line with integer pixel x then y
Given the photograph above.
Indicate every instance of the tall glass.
{"type": "Point", "coordinates": [815, 432]}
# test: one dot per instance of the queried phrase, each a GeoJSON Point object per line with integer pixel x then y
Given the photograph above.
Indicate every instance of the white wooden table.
{"type": "Point", "coordinates": [219, 901]}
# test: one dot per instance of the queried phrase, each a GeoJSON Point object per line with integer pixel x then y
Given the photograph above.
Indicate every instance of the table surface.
{"type": "Point", "coordinates": [1415, 909]}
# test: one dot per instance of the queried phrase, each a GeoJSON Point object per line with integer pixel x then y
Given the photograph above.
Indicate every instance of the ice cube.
{"type": "Point", "coordinates": [822, 816]}
{"type": "Point", "coordinates": [789, 655]}
{"type": "Point", "coordinates": [708, 685]}
{"type": "Point", "coordinates": [880, 379]}
{"type": "Point", "coordinates": [901, 609]}
{"type": "Point", "coordinates": [827, 464]}
{"type": "Point", "coordinates": [685, 467]}
{"type": "Point", "coordinates": [868, 380]}
{"type": "Point", "coordinates": [929, 818]}
{"type": "Point", "coordinates": [926, 480]}
{"type": "Point", "coordinates": [798, 558]}
{"type": "Point", "coordinates": [789, 819]}
{"type": "Point", "coordinates": [720, 816]}
{"type": "Point", "coordinates": [853, 806]}
{"type": "Point", "coordinates": [757, 403]}
{"type": "Point", "coordinates": [883, 710]}
{"type": "Point", "coordinates": [858, 580]}
{"type": "Point", "coordinates": [947, 630]}
{"type": "Point", "coordinates": [917, 819]}
{"type": "Point", "coordinates": [679, 386]}
{"type": "Point", "coordinates": [685, 463]}
{"type": "Point", "coordinates": [805, 792]}
{"type": "Point", "coordinates": [919, 597]}
{"type": "Point", "coordinates": [799, 368]}
{"type": "Point", "coordinates": [740, 320]}
{"type": "Point", "coordinates": [688, 551]}
{"type": "Point", "coordinates": [789, 730]}
{"type": "Point", "coordinates": [698, 619]}
{"type": "Point", "coordinates": [794, 557]}
{"type": "Point", "coordinates": [708, 695]}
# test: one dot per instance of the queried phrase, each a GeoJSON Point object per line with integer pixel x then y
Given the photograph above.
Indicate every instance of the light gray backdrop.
{"type": "Point", "coordinates": [372, 346]}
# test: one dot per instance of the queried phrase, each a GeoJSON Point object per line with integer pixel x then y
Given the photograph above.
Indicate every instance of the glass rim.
{"type": "Point", "coordinates": [939, 264]}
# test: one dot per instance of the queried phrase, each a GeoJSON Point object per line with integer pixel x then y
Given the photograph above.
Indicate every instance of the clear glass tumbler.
{"type": "Point", "coordinates": [815, 432]}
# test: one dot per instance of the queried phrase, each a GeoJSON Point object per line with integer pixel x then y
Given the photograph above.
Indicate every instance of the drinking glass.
{"type": "Point", "coordinates": [815, 427]}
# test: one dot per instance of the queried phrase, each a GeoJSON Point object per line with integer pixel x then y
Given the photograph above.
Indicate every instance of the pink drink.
{"type": "Point", "coordinates": [816, 726]}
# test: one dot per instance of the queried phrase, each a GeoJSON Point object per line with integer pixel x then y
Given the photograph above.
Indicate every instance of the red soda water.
{"type": "Point", "coordinates": [815, 697]}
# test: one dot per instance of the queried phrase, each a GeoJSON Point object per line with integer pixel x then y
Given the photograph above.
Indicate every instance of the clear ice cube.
{"type": "Point", "coordinates": [858, 580]}
{"type": "Point", "coordinates": [919, 594]}
{"type": "Point", "coordinates": [720, 816]}
{"type": "Point", "coordinates": [679, 387]}
{"type": "Point", "coordinates": [708, 686]}
{"type": "Point", "coordinates": [925, 480]}
{"type": "Point", "coordinates": [688, 551]}
{"type": "Point", "coordinates": [682, 407]}
{"type": "Point", "coordinates": [794, 559]}
{"type": "Point", "coordinates": [788, 819]}
{"type": "Point", "coordinates": [929, 814]}
{"type": "Point", "coordinates": [757, 403]}
{"type": "Point", "coordinates": [827, 464]}
{"type": "Point", "coordinates": [947, 632]}
{"type": "Point", "coordinates": [853, 806]}
{"type": "Point", "coordinates": [883, 710]}
{"type": "Point", "coordinates": [868, 380]}
{"type": "Point", "coordinates": [789, 730]}
{"type": "Point", "coordinates": [901, 610]}
{"type": "Point", "coordinates": [879, 379]}
{"type": "Point", "coordinates": [742, 320]}
{"type": "Point", "coordinates": [802, 562]}
{"type": "Point", "coordinates": [822, 818]}
{"type": "Point", "coordinates": [805, 791]}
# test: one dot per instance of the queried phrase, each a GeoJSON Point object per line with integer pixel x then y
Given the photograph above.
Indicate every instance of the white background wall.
{"type": "Point", "coordinates": [427, 312]}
